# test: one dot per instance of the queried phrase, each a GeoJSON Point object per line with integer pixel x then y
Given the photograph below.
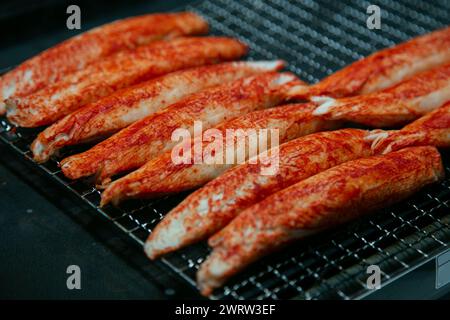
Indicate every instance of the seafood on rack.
{"type": "Point", "coordinates": [108, 115]}
{"type": "Point", "coordinates": [251, 135]}
{"type": "Point", "coordinates": [324, 200]}
{"type": "Point", "coordinates": [213, 206]}
{"type": "Point", "coordinates": [432, 129]}
{"type": "Point", "coordinates": [142, 141]}
{"type": "Point", "coordinates": [384, 68]}
{"type": "Point", "coordinates": [394, 106]}
{"type": "Point", "coordinates": [76, 53]}
{"type": "Point", "coordinates": [140, 83]}
{"type": "Point", "coordinates": [116, 72]}
{"type": "Point", "coordinates": [210, 208]}
{"type": "Point", "coordinates": [402, 103]}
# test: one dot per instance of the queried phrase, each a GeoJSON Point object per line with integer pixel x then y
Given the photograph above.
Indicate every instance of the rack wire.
{"type": "Point", "coordinates": [316, 38]}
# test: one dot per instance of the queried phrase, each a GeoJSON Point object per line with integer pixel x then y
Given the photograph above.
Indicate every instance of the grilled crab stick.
{"type": "Point", "coordinates": [162, 175]}
{"type": "Point", "coordinates": [384, 68]}
{"type": "Point", "coordinates": [212, 207]}
{"type": "Point", "coordinates": [75, 53]}
{"type": "Point", "coordinates": [112, 113]}
{"type": "Point", "coordinates": [394, 106]}
{"type": "Point", "coordinates": [431, 129]}
{"type": "Point", "coordinates": [324, 200]}
{"type": "Point", "coordinates": [133, 146]}
{"type": "Point", "coordinates": [118, 71]}
{"type": "Point", "coordinates": [406, 101]}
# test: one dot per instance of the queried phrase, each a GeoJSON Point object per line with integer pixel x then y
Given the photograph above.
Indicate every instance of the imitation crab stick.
{"type": "Point", "coordinates": [110, 114]}
{"type": "Point", "coordinates": [162, 175]}
{"type": "Point", "coordinates": [116, 72]}
{"type": "Point", "coordinates": [324, 200]}
{"type": "Point", "coordinates": [397, 105]}
{"type": "Point", "coordinates": [213, 206]}
{"type": "Point", "coordinates": [384, 68]}
{"type": "Point", "coordinates": [394, 106]}
{"type": "Point", "coordinates": [142, 141]}
{"type": "Point", "coordinates": [218, 202]}
{"type": "Point", "coordinates": [76, 53]}
{"type": "Point", "coordinates": [432, 129]}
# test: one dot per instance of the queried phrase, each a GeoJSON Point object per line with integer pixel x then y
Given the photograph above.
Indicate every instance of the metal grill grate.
{"type": "Point", "coordinates": [316, 38]}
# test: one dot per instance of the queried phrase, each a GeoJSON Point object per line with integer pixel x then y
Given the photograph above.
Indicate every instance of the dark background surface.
{"type": "Point", "coordinates": [27, 27]}
{"type": "Point", "coordinates": [43, 229]}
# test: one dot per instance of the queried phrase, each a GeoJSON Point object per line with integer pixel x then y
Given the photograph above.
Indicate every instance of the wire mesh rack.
{"type": "Point", "coordinates": [316, 38]}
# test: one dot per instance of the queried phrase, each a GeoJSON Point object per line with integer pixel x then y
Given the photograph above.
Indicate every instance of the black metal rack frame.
{"type": "Point", "coordinates": [316, 38]}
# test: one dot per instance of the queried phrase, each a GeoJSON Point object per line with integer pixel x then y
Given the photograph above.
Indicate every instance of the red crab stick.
{"type": "Point", "coordinates": [76, 53]}
{"type": "Point", "coordinates": [384, 68]}
{"type": "Point", "coordinates": [112, 113]}
{"type": "Point", "coordinates": [133, 146]}
{"type": "Point", "coordinates": [116, 72]}
{"type": "Point", "coordinates": [327, 199]}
